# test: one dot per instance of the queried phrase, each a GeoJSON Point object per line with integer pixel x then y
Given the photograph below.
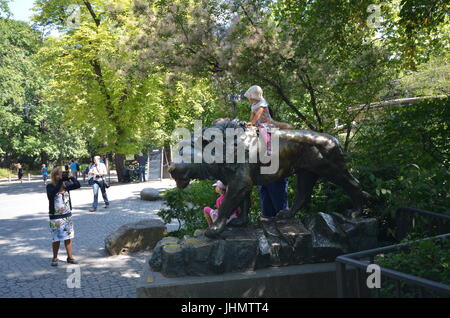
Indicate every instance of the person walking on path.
{"type": "Point", "coordinates": [142, 163]}
{"type": "Point", "coordinates": [60, 212]}
{"type": "Point", "coordinates": [44, 171]}
{"type": "Point", "coordinates": [19, 172]}
{"type": "Point", "coordinates": [74, 167]}
{"type": "Point", "coordinates": [96, 176]}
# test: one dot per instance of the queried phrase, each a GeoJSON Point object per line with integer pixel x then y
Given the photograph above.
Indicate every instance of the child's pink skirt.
{"type": "Point", "coordinates": [264, 131]}
{"type": "Point", "coordinates": [214, 214]}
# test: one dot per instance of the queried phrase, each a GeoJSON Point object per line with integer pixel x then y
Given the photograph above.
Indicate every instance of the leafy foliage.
{"type": "Point", "coordinates": [100, 82]}
{"type": "Point", "coordinates": [431, 78]}
{"type": "Point", "coordinates": [186, 206]}
{"type": "Point", "coordinates": [240, 43]}
{"type": "Point", "coordinates": [401, 157]}
{"type": "Point", "coordinates": [4, 8]}
{"type": "Point", "coordinates": [427, 259]}
{"type": "Point", "coordinates": [31, 130]}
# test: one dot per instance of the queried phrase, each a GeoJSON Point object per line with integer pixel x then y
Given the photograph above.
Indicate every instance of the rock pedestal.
{"type": "Point", "coordinates": [134, 237]}
{"type": "Point", "coordinates": [278, 242]}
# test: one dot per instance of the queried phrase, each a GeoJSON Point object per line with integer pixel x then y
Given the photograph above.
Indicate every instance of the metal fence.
{"type": "Point", "coordinates": [407, 219]}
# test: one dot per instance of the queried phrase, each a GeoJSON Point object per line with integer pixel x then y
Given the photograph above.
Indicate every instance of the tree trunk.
{"type": "Point", "coordinates": [119, 160]}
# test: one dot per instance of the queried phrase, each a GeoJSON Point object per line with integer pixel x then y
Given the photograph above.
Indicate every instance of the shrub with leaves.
{"type": "Point", "coordinates": [427, 259]}
{"type": "Point", "coordinates": [186, 206]}
{"type": "Point", "coordinates": [401, 157]}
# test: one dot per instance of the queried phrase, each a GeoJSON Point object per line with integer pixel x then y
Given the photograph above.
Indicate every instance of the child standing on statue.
{"type": "Point", "coordinates": [212, 215]}
{"type": "Point", "coordinates": [260, 115]}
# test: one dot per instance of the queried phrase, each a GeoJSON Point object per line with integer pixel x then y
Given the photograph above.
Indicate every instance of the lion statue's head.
{"type": "Point", "coordinates": [193, 166]}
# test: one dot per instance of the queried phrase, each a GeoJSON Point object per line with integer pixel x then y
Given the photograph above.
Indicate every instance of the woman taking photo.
{"type": "Point", "coordinates": [60, 212]}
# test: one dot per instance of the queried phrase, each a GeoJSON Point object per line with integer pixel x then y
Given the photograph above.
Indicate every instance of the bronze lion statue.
{"type": "Point", "coordinates": [307, 154]}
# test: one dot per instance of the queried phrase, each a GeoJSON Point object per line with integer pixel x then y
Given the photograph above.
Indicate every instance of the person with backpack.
{"type": "Point", "coordinates": [142, 163]}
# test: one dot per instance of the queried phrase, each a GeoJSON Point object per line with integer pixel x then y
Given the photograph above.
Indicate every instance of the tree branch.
{"type": "Point", "coordinates": [308, 85]}
{"type": "Point", "coordinates": [92, 12]}
{"type": "Point", "coordinates": [288, 102]}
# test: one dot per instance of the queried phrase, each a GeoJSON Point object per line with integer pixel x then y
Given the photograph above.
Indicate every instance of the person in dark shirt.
{"type": "Point", "coordinates": [19, 172]}
{"type": "Point", "coordinates": [142, 163]}
{"type": "Point", "coordinates": [60, 213]}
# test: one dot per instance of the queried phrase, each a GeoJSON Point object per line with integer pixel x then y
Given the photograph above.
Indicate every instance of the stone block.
{"type": "Point", "coordinates": [134, 237]}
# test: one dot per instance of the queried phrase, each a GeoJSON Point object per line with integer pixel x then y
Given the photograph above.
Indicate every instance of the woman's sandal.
{"type": "Point", "coordinates": [71, 261]}
{"type": "Point", "coordinates": [54, 262]}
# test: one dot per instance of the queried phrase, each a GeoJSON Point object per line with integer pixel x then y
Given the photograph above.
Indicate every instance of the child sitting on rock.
{"type": "Point", "coordinates": [212, 215]}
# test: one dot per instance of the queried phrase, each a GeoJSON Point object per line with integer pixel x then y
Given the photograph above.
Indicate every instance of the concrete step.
{"type": "Point", "coordinates": [296, 281]}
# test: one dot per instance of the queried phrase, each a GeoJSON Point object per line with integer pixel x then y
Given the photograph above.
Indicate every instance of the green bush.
{"type": "Point", "coordinates": [186, 206]}
{"type": "Point", "coordinates": [4, 173]}
{"type": "Point", "coordinates": [401, 156]}
{"type": "Point", "coordinates": [427, 259]}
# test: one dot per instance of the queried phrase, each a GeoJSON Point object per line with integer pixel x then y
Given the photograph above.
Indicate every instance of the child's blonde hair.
{"type": "Point", "coordinates": [254, 92]}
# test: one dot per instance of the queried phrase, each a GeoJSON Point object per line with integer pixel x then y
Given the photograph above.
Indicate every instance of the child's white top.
{"type": "Point", "coordinates": [262, 103]}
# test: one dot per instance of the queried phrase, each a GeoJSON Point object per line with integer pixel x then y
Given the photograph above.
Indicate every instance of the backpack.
{"type": "Point", "coordinates": [78, 166]}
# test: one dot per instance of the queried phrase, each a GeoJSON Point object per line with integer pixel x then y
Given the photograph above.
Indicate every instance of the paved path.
{"type": "Point", "coordinates": [25, 242]}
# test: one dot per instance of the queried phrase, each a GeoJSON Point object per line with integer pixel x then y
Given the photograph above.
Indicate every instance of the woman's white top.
{"type": "Point", "coordinates": [98, 170]}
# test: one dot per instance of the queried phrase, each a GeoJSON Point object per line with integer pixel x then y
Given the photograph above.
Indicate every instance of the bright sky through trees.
{"type": "Point", "coordinates": [21, 9]}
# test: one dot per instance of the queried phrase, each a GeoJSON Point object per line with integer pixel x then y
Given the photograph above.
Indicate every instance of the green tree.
{"type": "Point", "coordinates": [430, 78]}
{"type": "Point", "coordinates": [31, 131]}
{"type": "Point", "coordinates": [310, 82]}
{"type": "Point", "coordinates": [123, 105]}
{"type": "Point", "coordinates": [4, 8]}
{"type": "Point", "coordinates": [315, 58]}
{"type": "Point", "coordinates": [417, 30]}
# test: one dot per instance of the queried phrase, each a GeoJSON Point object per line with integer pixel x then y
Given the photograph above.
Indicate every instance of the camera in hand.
{"type": "Point", "coordinates": [65, 176]}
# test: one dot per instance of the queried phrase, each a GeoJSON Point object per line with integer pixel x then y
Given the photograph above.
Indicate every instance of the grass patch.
{"type": "Point", "coordinates": [4, 173]}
